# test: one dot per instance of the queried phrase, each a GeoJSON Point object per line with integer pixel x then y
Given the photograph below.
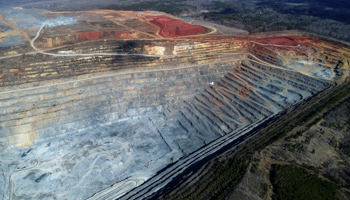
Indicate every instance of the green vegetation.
{"type": "Point", "coordinates": [312, 168]}
{"type": "Point", "coordinates": [281, 130]}
{"type": "Point", "coordinates": [253, 168]}
{"type": "Point", "coordinates": [171, 7]}
{"type": "Point", "coordinates": [294, 136]}
{"type": "Point", "coordinates": [257, 21]}
{"type": "Point", "coordinates": [334, 116]}
{"type": "Point", "coordinates": [344, 92]}
{"type": "Point", "coordinates": [321, 131]}
{"type": "Point", "coordinates": [332, 178]}
{"type": "Point", "coordinates": [295, 147]}
{"type": "Point", "coordinates": [292, 182]}
{"type": "Point", "coordinates": [219, 16]}
{"type": "Point", "coordinates": [259, 16]}
{"type": "Point", "coordinates": [265, 191]}
{"type": "Point", "coordinates": [218, 5]}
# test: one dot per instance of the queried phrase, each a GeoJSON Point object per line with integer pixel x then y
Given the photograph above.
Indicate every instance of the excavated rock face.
{"type": "Point", "coordinates": [82, 116]}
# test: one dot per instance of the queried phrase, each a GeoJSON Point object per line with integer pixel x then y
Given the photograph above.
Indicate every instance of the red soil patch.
{"type": "Point", "coordinates": [242, 93]}
{"type": "Point", "coordinates": [220, 115]}
{"type": "Point", "coordinates": [287, 40]}
{"type": "Point", "coordinates": [97, 35]}
{"type": "Point", "coordinates": [172, 27]}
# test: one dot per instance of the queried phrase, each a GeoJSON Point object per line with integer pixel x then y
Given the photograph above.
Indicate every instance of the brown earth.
{"type": "Point", "coordinates": [289, 40]}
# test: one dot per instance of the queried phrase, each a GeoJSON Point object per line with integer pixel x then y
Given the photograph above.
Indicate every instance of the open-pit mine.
{"type": "Point", "coordinates": [94, 104]}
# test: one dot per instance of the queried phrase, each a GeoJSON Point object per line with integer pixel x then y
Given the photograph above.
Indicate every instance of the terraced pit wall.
{"type": "Point", "coordinates": [59, 96]}
{"type": "Point", "coordinates": [46, 93]}
{"type": "Point", "coordinates": [131, 114]}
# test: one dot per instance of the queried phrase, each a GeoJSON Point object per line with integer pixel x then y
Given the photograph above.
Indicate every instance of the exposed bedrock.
{"type": "Point", "coordinates": [91, 136]}
{"type": "Point", "coordinates": [63, 108]}
{"type": "Point", "coordinates": [310, 56]}
{"type": "Point", "coordinates": [49, 42]}
{"type": "Point", "coordinates": [107, 122]}
{"type": "Point", "coordinates": [42, 67]}
{"type": "Point", "coordinates": [71, 126]}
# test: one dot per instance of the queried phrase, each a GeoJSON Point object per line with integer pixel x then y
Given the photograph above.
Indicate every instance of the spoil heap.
{"type": "Point", "coordinates": [173, 27]}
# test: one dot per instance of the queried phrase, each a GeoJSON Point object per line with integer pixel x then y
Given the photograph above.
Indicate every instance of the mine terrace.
{"type": "Point", "coordinates": [95, 103]}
